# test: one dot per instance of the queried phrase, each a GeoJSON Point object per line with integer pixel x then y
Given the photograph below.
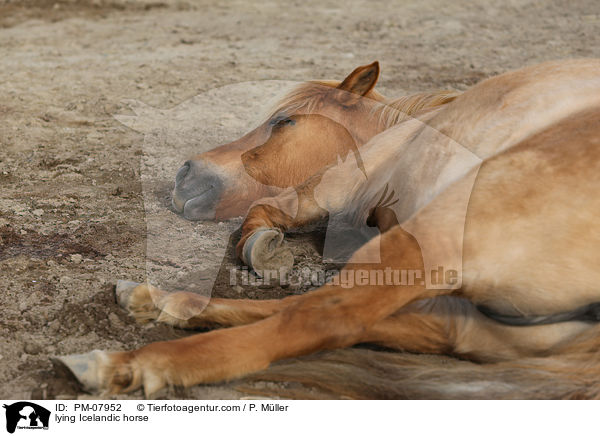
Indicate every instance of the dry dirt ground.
{"type": "Point", "coordinates": [72, 200]}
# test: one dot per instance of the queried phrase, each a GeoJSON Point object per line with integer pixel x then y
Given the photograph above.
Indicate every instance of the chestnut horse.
{"type": "Point", "coordinates": [515, 202]}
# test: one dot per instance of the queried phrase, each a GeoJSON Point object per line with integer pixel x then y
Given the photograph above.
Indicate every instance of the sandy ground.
{"type": "Point", "coordinates": [73, 199]}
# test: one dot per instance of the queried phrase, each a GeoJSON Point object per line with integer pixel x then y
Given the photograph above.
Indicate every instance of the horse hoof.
{"type": "Point", "coordinates": [264, 250]}
{"type": "Point", "coordinates": [123, 291]}
{"type": "Point", "coordinates": [85, 367]}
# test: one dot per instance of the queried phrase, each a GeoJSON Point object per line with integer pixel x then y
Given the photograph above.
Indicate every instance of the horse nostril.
{"type": "Point", "coordinates": [182, 172]}
{"type": "Point", "coordinates": [198, 187]}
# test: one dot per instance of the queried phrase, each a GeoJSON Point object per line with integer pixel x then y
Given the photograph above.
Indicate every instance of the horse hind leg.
{"type": "Point", "coordinates": [454, 326]}
{"type": "Point", "coordinates": [439, 325]}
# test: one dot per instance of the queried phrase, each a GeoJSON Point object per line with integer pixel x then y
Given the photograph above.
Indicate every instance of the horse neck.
{"type": "Point", "coordinates": [378, 113]}
{"type": "Point", "coordinates": [416, 161]}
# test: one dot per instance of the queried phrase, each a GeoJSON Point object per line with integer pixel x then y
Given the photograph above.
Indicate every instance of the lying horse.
{"type": "Point", "coordinates": [498, 182]}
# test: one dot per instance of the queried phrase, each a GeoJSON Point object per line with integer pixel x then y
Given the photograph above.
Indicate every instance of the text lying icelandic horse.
{"type": "Point", "coordinates": [506, 172]}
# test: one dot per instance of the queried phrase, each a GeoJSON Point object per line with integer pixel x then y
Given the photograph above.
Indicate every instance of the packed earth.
{"type": "Point", "coordinates": [84, 192]}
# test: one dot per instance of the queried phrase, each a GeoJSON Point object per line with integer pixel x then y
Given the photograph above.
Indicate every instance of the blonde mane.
{"type": "Point", "coordinates": [309, 96]}
{"type": "Point", "coordinates": [411, 106]}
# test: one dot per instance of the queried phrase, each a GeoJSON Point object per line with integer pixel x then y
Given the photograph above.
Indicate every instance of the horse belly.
{"type": "Point", "coordinates": [532, 230]}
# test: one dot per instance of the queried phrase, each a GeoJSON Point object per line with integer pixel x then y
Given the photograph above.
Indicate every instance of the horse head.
{"type": "Point", "coordinates": [310, 128]}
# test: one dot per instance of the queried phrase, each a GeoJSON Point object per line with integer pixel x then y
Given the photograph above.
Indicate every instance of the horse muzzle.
{"type": "Point", "coordinates": [198, 188]}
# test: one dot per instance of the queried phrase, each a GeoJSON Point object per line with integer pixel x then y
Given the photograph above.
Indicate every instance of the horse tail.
{"type": "Point", "coordinates": [358, 373]}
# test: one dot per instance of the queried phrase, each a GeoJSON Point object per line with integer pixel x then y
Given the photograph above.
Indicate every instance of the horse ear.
{"type": "Point", "coordinates": [360, 81]}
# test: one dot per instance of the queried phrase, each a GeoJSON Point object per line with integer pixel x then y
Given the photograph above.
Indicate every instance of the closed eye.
{"type": "Point", "coordinates": [282, 120]}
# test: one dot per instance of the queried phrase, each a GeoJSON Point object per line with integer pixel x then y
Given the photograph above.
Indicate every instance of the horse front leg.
{"type": "Point", "coordinates": [188, 310]}
{"type": "Point", "coordinates": [261, 244]}
{"type": "Point", "coordinates": [330, 317]}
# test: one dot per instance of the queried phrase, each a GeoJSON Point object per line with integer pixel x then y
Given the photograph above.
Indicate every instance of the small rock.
{"type": "Point", "coordinates": [114, 320]}
{"type": "Point", "coordinates": [23, 306]}
{"type": "Point", "coordinates": [54, 326]}
{"type": "Point", "coordinates": [38, 212]}
{"type": "Point", "coordinates": [32, 348]}
{"type": "Point", "coordinates": [295, 284]}
{"type": "Point", "coordinates": [76, 258]}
